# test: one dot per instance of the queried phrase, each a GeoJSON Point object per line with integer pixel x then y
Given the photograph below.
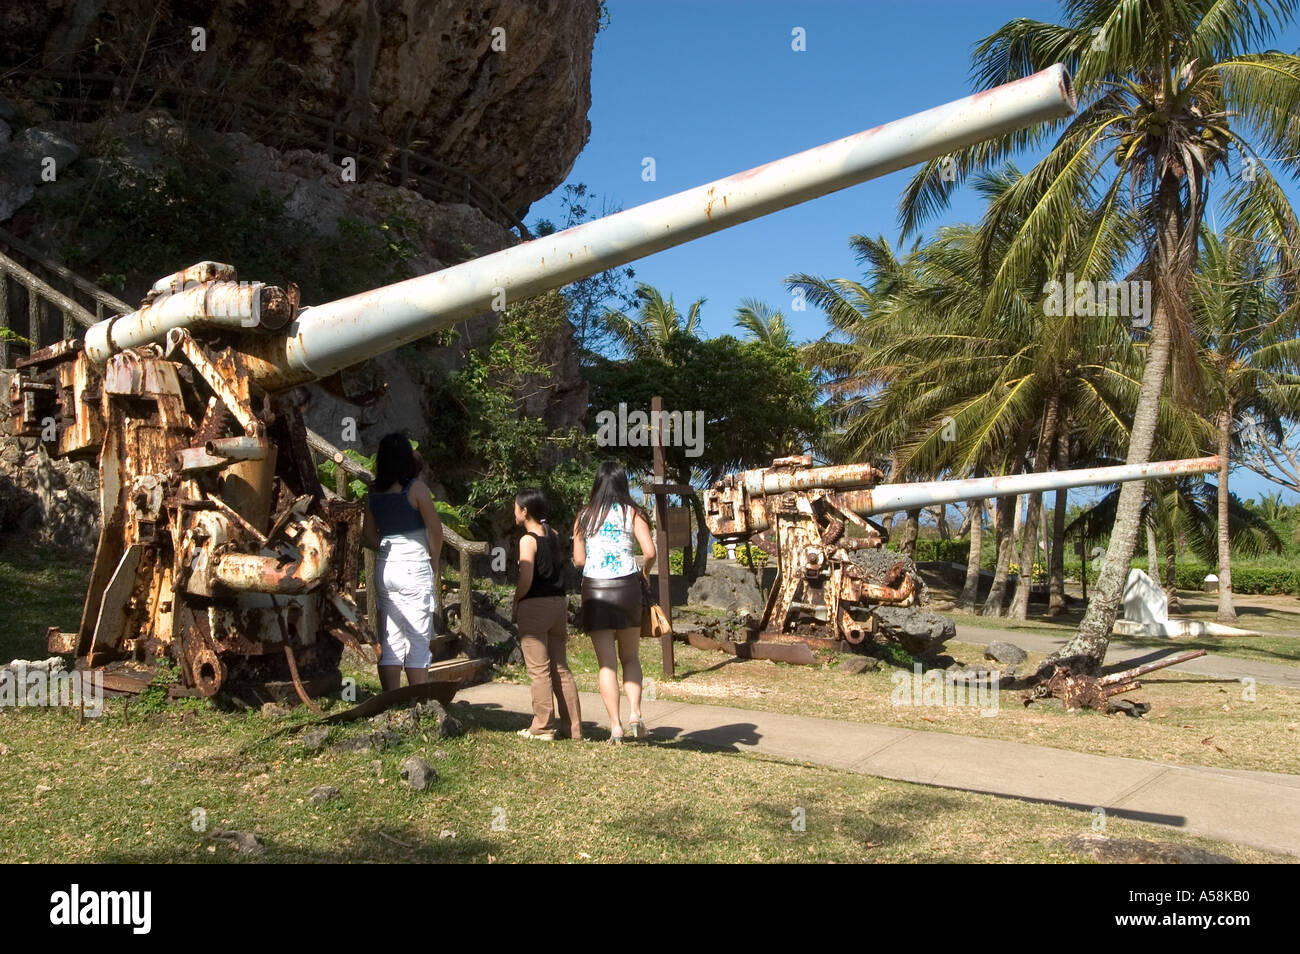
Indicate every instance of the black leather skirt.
{"type": "Point", "coordinates": [611, 604]}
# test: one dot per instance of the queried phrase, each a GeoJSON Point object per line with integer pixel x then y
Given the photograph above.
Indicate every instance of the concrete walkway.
{"type": "Point", "coordinates": [1223, 667]}
{"type": "Point", "coordinates": [1261, 809]}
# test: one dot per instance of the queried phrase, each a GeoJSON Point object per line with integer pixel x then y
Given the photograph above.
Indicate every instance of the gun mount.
{"type": "Point", "coordinates": [837, 587]}
{"type": "Point", "coordinates": [219, 549]}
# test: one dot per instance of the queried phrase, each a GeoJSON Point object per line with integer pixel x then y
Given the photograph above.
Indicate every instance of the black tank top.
{"type": "Point", "coordinates": [393, 512]}
{"type": "Point", "coordinates": [548, 571]}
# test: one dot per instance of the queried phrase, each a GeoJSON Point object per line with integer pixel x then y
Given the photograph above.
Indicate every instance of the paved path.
{"type": "Point", "coordinates": [1223, 667]}
{"type": "Point", "coordinates": [1261, 809]}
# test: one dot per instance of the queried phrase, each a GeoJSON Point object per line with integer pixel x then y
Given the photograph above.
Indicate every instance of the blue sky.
{"type": "Point", "coordinates": [712, 88]}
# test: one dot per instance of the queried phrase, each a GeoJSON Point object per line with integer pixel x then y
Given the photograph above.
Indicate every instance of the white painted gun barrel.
{"type": "Point", "coordinates": [887, 498]}
{"type": "Point", "coordinates": [335, 335]}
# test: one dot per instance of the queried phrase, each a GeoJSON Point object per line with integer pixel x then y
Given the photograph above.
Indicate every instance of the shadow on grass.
{"type": "Point", "coordinates": [388, 843]}
{"type": "Point", "coordinates": [879, 822]}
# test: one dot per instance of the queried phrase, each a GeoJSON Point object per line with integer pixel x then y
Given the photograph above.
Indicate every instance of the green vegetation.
{"type": "Point", "coordinates": [189, 766]}
{"type": "Point", "coordinates": [122, 220]}
{"type": "Point", "coordinates": [482, 420]}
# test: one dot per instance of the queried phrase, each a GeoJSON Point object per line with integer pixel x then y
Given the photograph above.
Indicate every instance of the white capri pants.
{"type": "Point", "coordinates": [406, 600]}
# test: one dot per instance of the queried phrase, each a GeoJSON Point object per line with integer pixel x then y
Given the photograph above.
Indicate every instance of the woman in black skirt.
{"type": "Point", "coordinates": [605, 537]}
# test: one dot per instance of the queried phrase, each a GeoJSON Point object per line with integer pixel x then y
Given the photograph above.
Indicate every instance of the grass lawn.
{"type": "Point", "coordinates": [1281, 649]}
{"type": "Point", "coordinates": [1194, 720]}
{"type": "Point", "coordinates": [126, 787]}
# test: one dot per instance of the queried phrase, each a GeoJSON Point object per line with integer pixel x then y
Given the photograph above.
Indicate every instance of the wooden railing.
{"type": "Point", "coordinates": [465, 549]}
{"type": "Point", "coordinates": [31, 279]}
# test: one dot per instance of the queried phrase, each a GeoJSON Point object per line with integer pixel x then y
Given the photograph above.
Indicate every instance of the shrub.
{"type": "Point", "coordinates": [942, 551]}
{"type": "Point", "coordinates": [761, 556]}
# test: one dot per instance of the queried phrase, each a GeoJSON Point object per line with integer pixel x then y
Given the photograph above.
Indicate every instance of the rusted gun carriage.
{"type": "Point", "coordinates": [219, 549]}
{"type": "Point", "coordinates": [836, 586]}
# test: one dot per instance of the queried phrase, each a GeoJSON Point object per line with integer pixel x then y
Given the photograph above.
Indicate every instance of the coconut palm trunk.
{"type": "Point", "coordinates": [1227, 612]}
{"type": "Point", "coordinates": [993, 603]}
{"type": "Point", "coordinates": [1029, 545]}
{"type": "Point", "coordinates": [1172, 260]}
{"type": "Point", "coordinates": [911, 530]}
{"type": "Point", "coordinates": [970, 588]}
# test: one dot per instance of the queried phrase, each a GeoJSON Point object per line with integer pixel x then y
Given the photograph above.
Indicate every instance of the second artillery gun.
{"type": "Point", "coordinates": [218, 548]}
{"type": "Point", "coordinates": [837, 587]}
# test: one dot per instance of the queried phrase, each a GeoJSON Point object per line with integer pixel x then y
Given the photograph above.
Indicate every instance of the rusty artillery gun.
{"type": "Point", "coordinates": [218, 548]}
{"type": "Point", "coordinates": [837, 587]}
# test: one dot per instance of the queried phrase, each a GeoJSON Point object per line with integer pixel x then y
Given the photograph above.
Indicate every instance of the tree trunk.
{"type": "Point", "coordinates": [941, 518]}
{"type": "Point", "coordinates": [911, 528]}
{"type": "Point", "coordinates": [1153, 566]}
{"type": "Point", "coordinates": [1002, 533]}
{"type": "Point", "coordinates": [1056, 574]}
{"type": "Point", "coordinates": [1087, 650]}
{"type": "Point", "coordinates": [1029, 546]}
{"type": "Point", "coordinates": [1171, 573]}
{"type": "Point", "coordinates": [1056, 582]}
{"type": "Point", "coordinates": [970, 589]}
{"type": "Point", "coordinates": [1018, 525]}
{"type": "Point", "coordinates": [702, 547]}
{"type": "Point", "coordinates": [1227, 612]}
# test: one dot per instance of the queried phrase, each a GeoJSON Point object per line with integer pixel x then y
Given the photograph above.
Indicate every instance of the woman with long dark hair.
{"type": "Point", "coordinates": [605, 536]}
{"type": "Point", "coordinates": [542, 614]}
{"type": "Point", "coordinates": [401, 523]}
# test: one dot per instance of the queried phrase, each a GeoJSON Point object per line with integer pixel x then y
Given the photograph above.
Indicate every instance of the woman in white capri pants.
{"type": "Point", "coordinates": [402, 524]}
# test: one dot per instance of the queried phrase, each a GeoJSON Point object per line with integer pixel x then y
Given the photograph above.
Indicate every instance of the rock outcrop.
{"type": "Point", "coordinates": [497, 88]}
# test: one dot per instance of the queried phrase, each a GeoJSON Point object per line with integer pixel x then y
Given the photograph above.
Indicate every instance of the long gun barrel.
{"type": "Point", "coordinates": [332, 336]}
{"type": "Point", "coordinates": [738, 505]}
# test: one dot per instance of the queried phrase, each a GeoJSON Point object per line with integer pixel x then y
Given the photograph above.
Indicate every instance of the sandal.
{"type": "Point", "coordinates": [530, 734]}
{"type": "Point", "coordinates": [616, 739]}
{"type": "Point", "coordinates": [637, 729]}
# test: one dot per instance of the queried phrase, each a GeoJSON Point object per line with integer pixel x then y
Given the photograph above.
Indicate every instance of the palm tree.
{"type": "Point", "coordinates": [764, 323]}
{"type": "Point", "coordinates": [925, 373]}
{"type": "Point", "coordinates": [657, 322]}
{"type": "Point", "coordinates": [1165, 89]}
{"type": "Point", "coordinates": [1249, 358]}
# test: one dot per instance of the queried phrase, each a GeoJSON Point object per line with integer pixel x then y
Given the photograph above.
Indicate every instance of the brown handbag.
{"type": "Point", "coordinates": [654, 621]}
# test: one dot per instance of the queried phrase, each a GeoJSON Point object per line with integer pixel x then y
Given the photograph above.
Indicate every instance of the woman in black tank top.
{"type": "Point", "coordinates": [542, 614]}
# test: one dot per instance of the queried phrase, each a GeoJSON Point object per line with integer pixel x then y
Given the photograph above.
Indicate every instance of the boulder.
{"type": "Point", "coordinates": [1008, 654]}
{"type": "Point", "coordinates": [417, 773]}
{"type": "Point", "coordinates": [727, 586]}
{"type": "Point", "coordinates": [857, 664]}
{"type": "Point", "coordinates": [323, 793]}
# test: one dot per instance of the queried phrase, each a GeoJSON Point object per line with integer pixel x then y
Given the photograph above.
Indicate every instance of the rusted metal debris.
{"type": "Point", "coordinates": [1077, 691]}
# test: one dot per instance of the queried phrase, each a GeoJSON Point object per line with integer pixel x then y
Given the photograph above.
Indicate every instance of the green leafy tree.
{"type": "Point", "coordinates": [485, 444]}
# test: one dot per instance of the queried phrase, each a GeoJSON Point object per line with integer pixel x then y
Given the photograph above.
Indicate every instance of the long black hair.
{"type": "Point", "coordinates": [534, 501]}
{"type": "Point", "coordinates": [609, 488]}
{"type": "Point", "coordinates": [395, 462]}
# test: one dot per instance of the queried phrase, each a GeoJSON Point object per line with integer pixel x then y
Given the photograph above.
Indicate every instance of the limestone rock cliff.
{"type": "Point", "coordinates": [498, 88]}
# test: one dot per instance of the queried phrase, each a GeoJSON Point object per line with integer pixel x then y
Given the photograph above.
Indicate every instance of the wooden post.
{"type": "Point", "coordinates": [661, 533]}
{"type": "Point", "coordinates": [466, 595]}
{"type": "Point", "coordinates": [34, 329]}
{"type": "Point", "coordinates": [4, 317]}
{"type": "Point", "coordinates": [372, 610]}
